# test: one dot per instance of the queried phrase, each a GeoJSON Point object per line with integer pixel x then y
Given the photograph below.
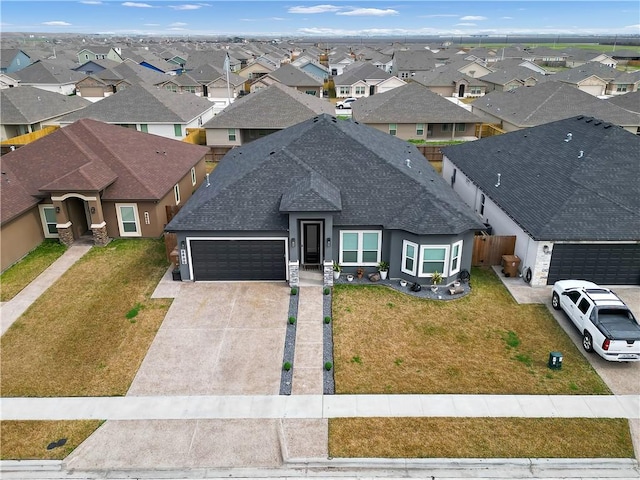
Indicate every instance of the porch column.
{"type": "Point", "coordinates": [98, 225]}
{"type": "Point", "coordinates": [62, 223]}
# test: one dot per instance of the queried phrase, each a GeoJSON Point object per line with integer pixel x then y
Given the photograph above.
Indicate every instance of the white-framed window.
{"type": "Point", "coordinates": [461, 127]}
{"type": "Point", "coordinates": [433, 258]}
{"type": "Point", "coordinates": [171, 87]}
{"type": "Point", "coordinates": [48, 218]}
{"type": "Point", "coordinates": [475, 91]}
{"type": "Point", "coordinates": [621, 88]}
{"type": "Point", "coordinates": [393, 129]}
{"type": "Point", "coordinates": [420, 129]}
{"type": "Point", "coordinates": [176, 193]}
{"type": "Point", "coordinates": [128, 221]}
{"type": "Point", "coordinates": [446, 127]}
{"type": "Point", "coordinates": [456, 258]}
{"type": "Point", "coordinates": [360, 247]}
{"type": "Point", "coordinates": [193, 176]}
{"type": "Point", "coordinates": [345, 91]}
{"type": "Point", "coordinates": [231, 132]}
{"type": "Point", "coordinates": [409, 257]}
{"type": "Point", "coordinates": [189, 88]}
{"type": "Point", "coordinates": [360, 90]}
{"type": "Point", "coordinates": [482, 200]}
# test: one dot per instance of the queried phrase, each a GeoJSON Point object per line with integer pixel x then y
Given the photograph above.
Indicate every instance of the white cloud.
{"type": "Point", "coordinates": [632, 27]}
{"type": "Point", "coordinates": [91, 2]}
{"type": "Point", "coordinates": [151, 25]}
{"type": "Point", "coordinates": [278, 19]}
{"type": "Point", "coordinates": [465, 24]}
{"type": "Point", "coordinates": [473, 18]}
{"type": "Point", "coordinates": [369, 12]}
{"type": "Point", "coordinates": [177, 29]}
{"type": "Point", "coordinates": [506, 18]}
{"type": "Point", "coordinates": [136, 5]}
{"type": "Point", "coordinates": [185, 7]}
{"type": "Point", "coordinates": [438, 16]}
{"type": "Point", "coordinates": [178, 24]}
{"type": "Point", "coordinates": [314, 9]}
{"type": "Point", "coordinates": [57, 23]}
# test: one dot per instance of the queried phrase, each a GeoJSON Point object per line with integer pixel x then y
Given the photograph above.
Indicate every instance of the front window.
{"type": "Point", "coordinates": [128, 221]}
{"type": "Point", "coordinates": [461, 127]}
{"type": "Point", "coordinates": [171, 87]}
{"type": "Point", "coordinates": [409, 257]}
{"type": "Point", "coordinates": [189, 89]}
{"type": "Point", "coordinates": [393, 129]}
{"type": "Point", "coordinates": [345, 91]}
{"type": "Point", "coordinates": [48, 218]}
{"type": "Point", "coordinates": [419, 129]}
{"type": "Point", "coordinates": [446, 127]}
{"type": "Point", "coordinates": [360, 248]}
{"type": "Point", "coordinates": [475, 91]}
{"type": "Point", "coordinates": [621, 88]}
{"type": "Point", "coordinates": [360, 90]}
{"type": "Point", "coordinates": [232, 134]}
{"type": "Point", "coordinates": [433, 258]}
{"type": "Point", "coordinates": [310, 92]}
{"type": "Point", "coordinates": [193, 176]}
{"type": "Point", "coordinates": [177, 130]}
{"type": "Point", "coordinates": [456, 257]}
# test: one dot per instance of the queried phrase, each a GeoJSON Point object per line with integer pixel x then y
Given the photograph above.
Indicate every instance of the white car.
{"type": "Point", "coordinates": [346, 103]}
{"type": "Point", "coordinates": [607, 325]}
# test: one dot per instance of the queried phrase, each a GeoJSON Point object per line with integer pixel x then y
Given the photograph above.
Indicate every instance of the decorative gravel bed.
{"type": "Point", "coordinates": [442, 293]}
{"type": "Point", "coordinates": [329, 386]}
{"type": "Point", "coordinates": [286, 377]}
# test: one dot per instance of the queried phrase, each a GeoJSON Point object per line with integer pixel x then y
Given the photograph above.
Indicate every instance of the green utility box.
{"type": "Point", "coordinates": [555, 360]}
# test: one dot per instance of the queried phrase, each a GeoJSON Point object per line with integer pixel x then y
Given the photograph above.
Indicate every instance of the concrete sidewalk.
{"type": "Point", "coordinates": [319, 407]}
{"type": "Point", "coordinates": [10, 311]}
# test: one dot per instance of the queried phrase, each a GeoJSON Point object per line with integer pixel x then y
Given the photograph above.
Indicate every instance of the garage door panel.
{"type": "Point", "coordinates": [238, 259]}
{"type": "Point", "coordinates": [600, 263]}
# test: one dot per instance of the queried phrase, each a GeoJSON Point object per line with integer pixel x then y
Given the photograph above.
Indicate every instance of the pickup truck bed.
{"type": "Point", "coordinates": [618, 325]}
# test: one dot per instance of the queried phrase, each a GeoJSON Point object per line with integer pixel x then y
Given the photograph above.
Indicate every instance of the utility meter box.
{"type": "Point", "coordinates": [555, 360]}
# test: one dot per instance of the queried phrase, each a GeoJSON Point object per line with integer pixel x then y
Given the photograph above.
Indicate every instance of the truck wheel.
{"type": "Point", "coordinates": [555, 301]}
{"type": "Point", "coordinates": [587, 342]}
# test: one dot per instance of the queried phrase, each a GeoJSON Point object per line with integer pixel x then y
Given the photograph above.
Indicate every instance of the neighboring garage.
{"type": "Point", "coordinates": [605, 264]}
{"type": "Point", "coordinates": [238, 259]}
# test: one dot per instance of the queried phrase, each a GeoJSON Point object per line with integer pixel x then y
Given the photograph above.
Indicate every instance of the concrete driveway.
{"type": "Point", "coordinates": [218, 339]}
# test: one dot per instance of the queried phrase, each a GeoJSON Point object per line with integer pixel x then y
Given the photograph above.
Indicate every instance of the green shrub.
{"type": "Point", "coordinates": [294, 290]}
{"type": "Point", "coordinates": [327, 290]}
{"type": "Point", "coordinates": [287, 366]}
{"type": "Point", "coordinates": [328, 365]}
{"type": "Point", "coordinates": [292, 320]}
{"type": "Point", "coordinates": [327, 319]}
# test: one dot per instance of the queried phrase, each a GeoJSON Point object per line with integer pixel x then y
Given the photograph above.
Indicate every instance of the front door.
{"type": "Point", "coordinates": [311, 243]}
{"type": "Point", "coordinates": [461, 91]}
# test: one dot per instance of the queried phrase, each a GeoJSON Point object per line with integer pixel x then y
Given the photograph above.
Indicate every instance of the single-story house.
{"type": "Point", "coordinates": [320, 191]}
{"type": "Point", "coordinates": [363, 79]}
{"type": "Point", "coordinates": [92, 178]}
{"type": "Point", "coordinates": [292, 77]}
{"type": "Point", "coordinates": [568, 190]}
{"type": "Point", "coordinates": [413, 112]}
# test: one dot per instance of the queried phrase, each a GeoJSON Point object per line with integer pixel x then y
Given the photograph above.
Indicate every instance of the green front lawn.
{"type": "Point", "coordinates": [386, 341]}
{"type": "Point", "coordinates": [89, 332]}
{"type": "Point", "coordinates": [18, 276]}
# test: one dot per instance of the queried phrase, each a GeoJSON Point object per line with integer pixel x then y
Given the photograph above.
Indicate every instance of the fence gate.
{"type": "Point", "coordinates": [489, 249]}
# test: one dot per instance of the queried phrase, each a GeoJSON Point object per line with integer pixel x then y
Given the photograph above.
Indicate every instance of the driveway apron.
{"type": "Point", "coordinates": [218, 339]}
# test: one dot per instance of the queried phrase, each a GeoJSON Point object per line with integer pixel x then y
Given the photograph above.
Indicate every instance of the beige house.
{"type": "Point", "coordinates": [95, 179]}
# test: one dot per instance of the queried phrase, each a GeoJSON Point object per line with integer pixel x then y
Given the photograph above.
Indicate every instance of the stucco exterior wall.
{"type": "Point", "coordinates": [19, 236]}
{"type": "Point", "coordinates": [220, 137]}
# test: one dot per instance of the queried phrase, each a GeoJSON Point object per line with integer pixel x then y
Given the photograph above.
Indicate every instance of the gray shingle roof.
{"type": "Point", "coordinates": [292, 76]}
{"type": "Point", "coordinates": [503, 76]}
{"type": "Point", "coordinates": [28, 105]}
{"type": "Point", "coordinates": [276, 106]}
{"type": "Point", "coordinates": [47, 72]}
{"type": "Point", "coordinates": [367, 167]}
{"type": "Point", "coordinates": [410, 103]}
{"type": "Point", "coordinates": [589, 69]}
{"type": "Point", "coordinates": [629, 101]}
{"type": "Point", "coordinates": [585, 189]}
{"type": "Point", "coordinates": [413, 60]}
{"type": "Point", "coordinates": [141, 104]}
{"type": "Point", "coordinates": [547, 102]}
{"type": "Point", "coordinates": [312, 194]}
{"type": "Point", "coordinates": [360, 71]}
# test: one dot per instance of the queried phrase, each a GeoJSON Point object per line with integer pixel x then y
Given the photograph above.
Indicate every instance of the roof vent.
{"type": "Point", "coordinates": [581, 154]}
{"type": "Point", "coordinates": [271, 153]}
{"type": "Point", "coordinates": [597, 123]}
{"type": "Point", "coordinates": [498, 184]}
{"type": "Point", "coordinates": [608, 125]}
{"type": "Point", "coordinates": [569, 137]}
{"type": "Point", "coordinates": [407, 162]}
{"type": "Point", "coordinates": [580, 117]}
{"type": "Point", "coordinates": [589, 120]}
{"type": "Point", "coordinates": [208, 180]}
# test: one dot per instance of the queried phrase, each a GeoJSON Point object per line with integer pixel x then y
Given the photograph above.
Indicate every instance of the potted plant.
{"type": "Point", "coordinates": [436, 279]}
{"type": "Point", "coordinates": [349, 278]}
{"type": "Point", "coordinates": [383, 267]}
{"type": "Point", "coordinates": [360, 272]}
{"type": "Point", "coordinates": [336, 270]}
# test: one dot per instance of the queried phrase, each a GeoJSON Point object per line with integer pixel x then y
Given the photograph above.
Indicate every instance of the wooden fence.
{"type": "Point", "coordinates": [488, 130]}
{"type": "Point", "coordinates": [489, 249]}
{"type": "Point", "coordinates": [197, 136]}
{"type": "Point", "coordinates": [27, 138]}
{"type": "Point", "coordinates": [170, 244]}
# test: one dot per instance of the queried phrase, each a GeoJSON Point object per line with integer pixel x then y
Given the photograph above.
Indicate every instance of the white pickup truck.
{"type": "Point", "coordinates": [607, 325]}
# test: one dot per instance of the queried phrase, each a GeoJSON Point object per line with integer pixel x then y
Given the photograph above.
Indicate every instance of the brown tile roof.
{"type": "Point", "coordinates": [89, 156]}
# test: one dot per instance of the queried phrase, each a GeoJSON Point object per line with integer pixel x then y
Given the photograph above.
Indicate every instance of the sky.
{"type": "Point", "coordinates": [322, 18]}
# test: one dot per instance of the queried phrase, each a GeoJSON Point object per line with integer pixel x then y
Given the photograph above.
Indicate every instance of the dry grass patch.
{"type": "Point", "coordinates": [88, 334]}
{"type": "Point", "coordinates": [18, 276]}
{"type": "Point", "coordinates": [30, 439]}
{"type": "Point", "coordinates": [479, 438]}
{"type": "Point", "coordinates": [386, 341]}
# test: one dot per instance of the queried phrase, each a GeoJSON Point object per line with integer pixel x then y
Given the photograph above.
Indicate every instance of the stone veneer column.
{"type": "Point", "coordinates": [294, 274]}
{"type": "Point", "coordinates": [100, 237]}
{"type": "Point", "coordinates": [66, 235]}
{"type": "Point", "coordinates": [327, 274]}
